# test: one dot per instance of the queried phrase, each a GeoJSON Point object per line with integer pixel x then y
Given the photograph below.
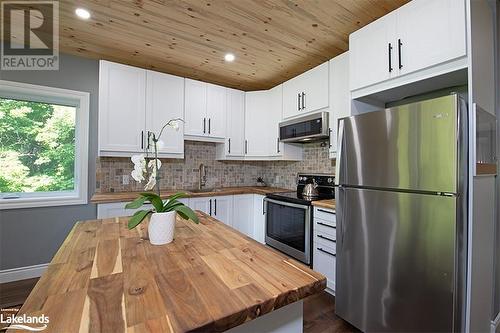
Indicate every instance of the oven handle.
{"type": "Point", "coordinates": [288, 204]}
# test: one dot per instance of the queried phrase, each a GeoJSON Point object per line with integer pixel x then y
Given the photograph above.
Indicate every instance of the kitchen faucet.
{"type": "Point", "coordinates": [203, 176]}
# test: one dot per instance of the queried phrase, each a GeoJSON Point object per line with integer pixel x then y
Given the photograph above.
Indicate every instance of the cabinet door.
{"type": "Point", "coordinates": [195, 104]}
{"type": "Point", "coordinates": [257, 123]}
{"type": "Point", "coordinates": [440, 36]}
{"type": "Point", "coordinates": [292, 97]}
{"type": "Point", "coordinates": [315, 88]}
{"type": "Point", "coordinates": [243, 213]}
{"type": "Point", "coordinates": [222, 209]}
{"type": "Point", "coordinates": [371, 60]}
{"type": "Point", "coordinates": [259, 219]}
{"type": "Point", "coordinates": [235, 123]}
{"type": "Point", "coordinates": [216, 111]}
{"type": "Point", "coordinates": [202, 204]}
{"type": "Point", "coordinates": [340, 95]}
{"type": "Point", "coordinates": [122, 91]}
{"type": "Point", "coordinates": [165, 101]}
{"type": "Point", "coordinates": [275, 148]}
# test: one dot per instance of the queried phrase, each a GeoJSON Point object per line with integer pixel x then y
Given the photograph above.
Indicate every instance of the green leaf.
{"type": "Point", "coordinates": [185, 211]}
{"type": "Point", "coordinates": [137, 218]}
{"type": "Point", "coordinates": [171, 204]}
{"type": "Point", "coordinates": [177, 196]}
{"type": "Point", "coordinates": [155, 201]}
{"type": "Point", "coordinates": [136, 203]}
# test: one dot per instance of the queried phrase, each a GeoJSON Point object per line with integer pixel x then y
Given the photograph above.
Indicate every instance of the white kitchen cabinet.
{"type": "Point", "coordinates": [243, 214]}
{"type": "Point", "coordinates": [122, 98]}
{"type": "Point", "coordinates": [205, 111]}
{"type": "Point", "coordinates": [258, 128]}
{"type": "Point", "coordinates": [372, 52]}
{"type": "Point", "coordinates": [340, 96]}
{"type": "Point", "coordinates": [234, 146]}
{"type": "Point", "coordinates": [440, 37]}
{"type": "Point", "coordinates": [259, 219]}
{"type": "Point", "coordinates": [307, 92]}
{"type": "Point", "coordinates": [216, 111]}
{"type": "Point", "coordinates": [165, 101]}
{"type": "Point", "coordinates": [195, 108]}
{"type": "Point", "coordinates": [222, 209]}
{"type": "Point", "coordinates": [324, 245]}
{"type": "Point", "coordinates": [202, 204]}
{"type": "Point", "coordinates": [384, 53]}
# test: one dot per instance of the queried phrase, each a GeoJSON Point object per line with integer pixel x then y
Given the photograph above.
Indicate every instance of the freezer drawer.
{"type": "Point", "coordinates": [395, 260]}
{"type": "Point", "coordinates": [409, 147]}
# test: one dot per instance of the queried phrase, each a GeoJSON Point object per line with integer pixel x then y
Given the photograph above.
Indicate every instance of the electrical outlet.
{"type": "Point", "coordinates": [125, 179]}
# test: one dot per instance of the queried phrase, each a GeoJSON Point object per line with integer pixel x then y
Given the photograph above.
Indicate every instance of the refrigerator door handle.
{"type": "Point", "coordinates": [340, 146]}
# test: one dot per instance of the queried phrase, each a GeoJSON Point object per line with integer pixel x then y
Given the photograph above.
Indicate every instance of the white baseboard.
{"type": "Point", "coordinates": [22, 273]}
{"type": "Point", "coordinates": [495, 324]}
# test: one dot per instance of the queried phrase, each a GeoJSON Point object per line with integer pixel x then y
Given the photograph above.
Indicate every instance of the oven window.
{"type": "Point", "coordinates": [286, 225]}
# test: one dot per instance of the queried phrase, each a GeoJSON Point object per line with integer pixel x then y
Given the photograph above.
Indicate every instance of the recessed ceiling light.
{"type": "Point", "coordinates": [229, 57]}
{"type": "Point", "coordinates": [82, 13]}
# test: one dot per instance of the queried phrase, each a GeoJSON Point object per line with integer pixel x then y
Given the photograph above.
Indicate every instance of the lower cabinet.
{"type": "Point", "coordinates": [244, 212]}
{"type": "Point", "coordinates": [259, 218]}
{"type": "Point", "coordinates": [243, 217]}
{"type": "Point", "coordinates": [324, 245]}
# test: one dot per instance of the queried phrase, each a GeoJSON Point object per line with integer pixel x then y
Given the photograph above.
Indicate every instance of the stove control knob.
{"type": "Point", "coordinates": [330, 180]}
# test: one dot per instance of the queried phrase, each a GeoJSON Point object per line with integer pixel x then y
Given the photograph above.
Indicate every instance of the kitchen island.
{"type": "Point", "coordinates": [106, 278]}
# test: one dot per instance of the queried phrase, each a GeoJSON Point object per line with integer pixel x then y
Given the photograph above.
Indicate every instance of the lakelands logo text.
{"type": "Point", "coordinates": [23, 322]}
{"type": "Point", "coordinates": [30, 35]}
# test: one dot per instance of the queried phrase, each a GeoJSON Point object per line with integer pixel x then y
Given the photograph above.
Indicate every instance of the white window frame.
{"type": "Point", "coordinates": [78, 99]}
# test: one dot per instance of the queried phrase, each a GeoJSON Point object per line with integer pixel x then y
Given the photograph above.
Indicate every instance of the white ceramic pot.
{"type": "Point", "coordinates": [161, 228]}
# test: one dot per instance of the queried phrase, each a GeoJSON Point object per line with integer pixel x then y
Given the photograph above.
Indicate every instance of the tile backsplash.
{"type": "Point", "coordinates": [183, 174]}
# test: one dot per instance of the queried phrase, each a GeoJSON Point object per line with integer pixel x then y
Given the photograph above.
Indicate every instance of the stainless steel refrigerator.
{"type": "Point", "coordinates": [401, 216]}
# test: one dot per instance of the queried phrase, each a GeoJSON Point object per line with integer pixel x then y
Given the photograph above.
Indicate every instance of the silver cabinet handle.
{"type": "Point", "coordinates": [303, 100]}
{"type": "Point", "coordinates": [204, 125]}
{"type": "Point", "coordinates": [278, 145]}
{"type": "Point", "coordinates": [298, 101]}
{"type": "Point", "coordinates": [326, 225]}
{"type": "Point", "coordinates": [209, 125]}
{"type": "Point", "coordinates": [325, 251]}
{"type": "Point", "coordinates": [246, 146]}
{"type": "Point", "coordinates": [325, 211]}
{"type": "Point", "coordinates": [229, 144]}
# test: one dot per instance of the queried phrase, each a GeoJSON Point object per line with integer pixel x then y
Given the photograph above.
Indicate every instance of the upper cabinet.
{"type": "Point", "coordinates": [205, 111]}
{"type": "Point", "coordinates": [122, 102]}
{"type": "Point", "coordinates": [134, 102]}
{"type": "Point", "coordinates": [234, 145]}
{"type": "Point", "coordinates": [165, 101]}
{"type": "Point", "coordinates": [340, 96]}
{"type": "Point", "coordinates": [422, 38]}
{"type": "Point", "coordinates": [306, 93]}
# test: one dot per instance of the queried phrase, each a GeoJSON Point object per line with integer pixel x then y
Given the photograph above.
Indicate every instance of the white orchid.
{"type": "Point", "coordinates": [141, 166]}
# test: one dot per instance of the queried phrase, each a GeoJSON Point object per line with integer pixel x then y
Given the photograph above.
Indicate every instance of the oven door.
{"type": "Point", "coordinates": [288, 228]}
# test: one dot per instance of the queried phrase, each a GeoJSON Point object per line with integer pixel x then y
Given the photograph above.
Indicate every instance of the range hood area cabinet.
{"type": "Point", "coordinates": [391, 51]}
{"type": "Point", "coordinates": [205, 111]}
{"type": "Point", "coordinates": [263, 112]}
{"type": "Point", "coordinates": [306, 93]}
{"type": "Point", "coordinates": [132, 101]}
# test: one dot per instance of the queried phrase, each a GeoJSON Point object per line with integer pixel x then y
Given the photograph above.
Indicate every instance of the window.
{"type": "Point", "coordinates": [43, 146]}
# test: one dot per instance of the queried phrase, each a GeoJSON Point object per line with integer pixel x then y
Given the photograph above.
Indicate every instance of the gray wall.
{"type": "Point", "coordinates": [31, 236]}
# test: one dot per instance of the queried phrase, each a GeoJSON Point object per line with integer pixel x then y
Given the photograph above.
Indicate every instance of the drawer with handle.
{"type": "Point", "coordinates": [324, 262]}
{"type": "Point", "coordinates": [326, 238]}
{"type": "Point", "coordinates": [326, 215]}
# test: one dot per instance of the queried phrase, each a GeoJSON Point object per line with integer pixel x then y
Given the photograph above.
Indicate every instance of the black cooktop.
{"type": "Point", "coordinates": [325, 187]}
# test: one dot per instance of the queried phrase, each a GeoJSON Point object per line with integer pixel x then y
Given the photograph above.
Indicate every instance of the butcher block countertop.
{"type": "Point", "coordinates": [129, 196]}
{"type": "Point", "coordinates": [328, 204]}
{"type": "Point", "coordinates": [106, 278]}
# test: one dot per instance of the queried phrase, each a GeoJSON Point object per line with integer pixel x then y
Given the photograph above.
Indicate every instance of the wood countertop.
{"type": "Point", "coordinates": [129, 196]}
{"type": "Point", "coordinates": [106, 278]}
{"type": "Point", "coordinates": [328, 204]}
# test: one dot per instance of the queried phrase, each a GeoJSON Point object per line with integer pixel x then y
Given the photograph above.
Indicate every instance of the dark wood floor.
{"type": "Point", "coordinates": [319, 310]}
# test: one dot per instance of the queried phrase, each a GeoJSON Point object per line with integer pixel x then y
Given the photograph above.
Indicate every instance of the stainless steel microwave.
{"type": "Point", "coordinates": [308, 128]}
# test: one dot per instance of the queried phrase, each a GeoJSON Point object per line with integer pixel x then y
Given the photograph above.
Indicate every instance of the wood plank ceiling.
{"type": "Point", "coordinates": [273, 40]}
